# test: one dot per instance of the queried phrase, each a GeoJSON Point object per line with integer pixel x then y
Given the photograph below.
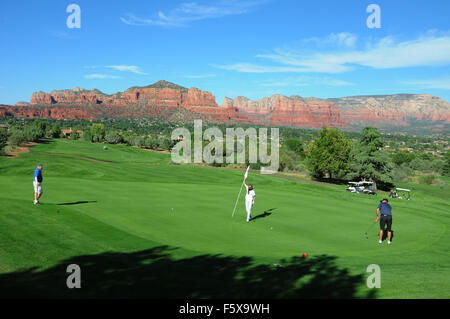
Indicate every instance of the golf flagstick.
{"type": "Point", "coordinates": [240, 190]}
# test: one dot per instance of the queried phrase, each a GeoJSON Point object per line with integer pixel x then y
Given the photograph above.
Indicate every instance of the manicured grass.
{"type": "Point", "coordinates": [135, 200]}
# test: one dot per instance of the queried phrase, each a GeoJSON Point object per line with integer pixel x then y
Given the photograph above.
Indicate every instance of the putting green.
{"type": "Point", "coordinates": [125, 200]}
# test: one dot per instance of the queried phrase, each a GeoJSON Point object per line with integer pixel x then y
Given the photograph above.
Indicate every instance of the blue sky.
{"type": "Point", "coordinates": [253, 48]}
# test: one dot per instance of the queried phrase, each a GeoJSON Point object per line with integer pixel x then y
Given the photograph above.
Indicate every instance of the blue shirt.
{"type": "Point", "coordinates": [38, 176]}
{"type": "Point", "coordinates": [385, 209]}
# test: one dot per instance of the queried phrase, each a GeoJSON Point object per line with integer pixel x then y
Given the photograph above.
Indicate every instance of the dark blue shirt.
{"type": "Point", "coordinates": [38, 176]}
{"type": "Point", "coordinates": [385, 209]}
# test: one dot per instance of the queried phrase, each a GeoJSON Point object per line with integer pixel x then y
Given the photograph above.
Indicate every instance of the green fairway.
{"type": "Point", "coordinates": [129, 217]}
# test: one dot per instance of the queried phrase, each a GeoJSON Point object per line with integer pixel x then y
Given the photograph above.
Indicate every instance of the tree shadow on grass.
{"type": "Point", "coordinates": [46, 141]}
{"type": "Point", "coordinates": [154, 273]}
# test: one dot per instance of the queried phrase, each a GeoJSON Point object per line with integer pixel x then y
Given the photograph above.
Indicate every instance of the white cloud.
{"type": "Point", "coordinates": [386, 53]}
{"type": "Point", "coordinates": [127, 68]}
{"type": "Point", "coordinates": [343, 39]}
{"type": "Point", "coordinates": [100, 76]}
{"type": "Point", "coordinates": [192, 11]}
{"type": "Point", "coordinates": [438, 83]}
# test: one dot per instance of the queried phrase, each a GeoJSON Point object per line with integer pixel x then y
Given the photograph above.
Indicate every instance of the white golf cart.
{"type": "Point", "coordinates": [361, 188]}
{"type": "Point", "coordinates": [403, 193]}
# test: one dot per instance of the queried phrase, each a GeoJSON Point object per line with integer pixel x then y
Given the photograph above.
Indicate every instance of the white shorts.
{"type": "Point", "coordinates": [37, 189]}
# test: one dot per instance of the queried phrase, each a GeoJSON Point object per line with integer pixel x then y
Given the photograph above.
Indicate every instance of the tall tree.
{"type": "Point", "coordinates": [370, 159]}
{"type": "Point", "coordinates": [98, 132]}
{"type": "Point", "coordinates": [446, 168]}
{"type": "Point", "coordinates": [329, 153]}
{"type": "Point", "coordinates": [41, 127]}
{"type": "Point", "coordinates": [295, 145]}
{"type": "Point", "coordinates": [3, 138]}
{"type": "Point", "coordinates": [56, 131]}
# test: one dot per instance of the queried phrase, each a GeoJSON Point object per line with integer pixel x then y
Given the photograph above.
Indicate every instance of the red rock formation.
{"type": "Point", "coordinates": [41, 98]}
{"type": "Point", "coordinates": [388, 110]}
{"type": "Point", "coordinates": [283, 111]}
{"type": "Point", "coordinates": [196, 97]}
{"type": "Point", "coordinates": [165, 99]}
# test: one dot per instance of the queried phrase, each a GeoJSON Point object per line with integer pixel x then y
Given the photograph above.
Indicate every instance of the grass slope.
{"type": "Point", "coordinates": [125, 201]}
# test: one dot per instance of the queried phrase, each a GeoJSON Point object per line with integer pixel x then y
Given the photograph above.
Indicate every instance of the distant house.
{"type": "Point", "coordinates": [407, 149]}
{"type": "Point", "coordinates": [68, 133]}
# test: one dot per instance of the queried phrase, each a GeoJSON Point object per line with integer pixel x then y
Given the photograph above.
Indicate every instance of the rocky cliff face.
{"type": "Point", "coordinates": [169, 100]}
{"type": "Point", "coordinates": [399, 109]}
{"type": "Point", "coordinates": [159, 94]}
{"type": "Point", "coordinates": [288, 111]}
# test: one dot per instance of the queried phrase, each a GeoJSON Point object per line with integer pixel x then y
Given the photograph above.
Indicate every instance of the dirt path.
{"type": "Point", "coordinates": [22, 149]}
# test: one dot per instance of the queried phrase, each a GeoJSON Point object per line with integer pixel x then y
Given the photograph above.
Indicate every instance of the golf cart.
{"type": "Point", "coordinates": [361, 188]}
{"type": "Point", "coordinates": [406, 193]}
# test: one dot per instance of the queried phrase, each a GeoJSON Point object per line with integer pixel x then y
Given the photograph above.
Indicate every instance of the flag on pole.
{"type": "Point", "coordinates": [237, 199]}
{"type": "Point", "coordinates": [246, 172]}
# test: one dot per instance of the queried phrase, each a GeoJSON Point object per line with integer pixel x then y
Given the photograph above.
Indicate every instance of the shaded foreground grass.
{"type": "Point", "coordinates": [153, 273]}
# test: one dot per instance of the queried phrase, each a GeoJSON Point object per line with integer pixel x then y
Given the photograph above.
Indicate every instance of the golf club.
{"type": "Point", "coordinates": [370, 227]}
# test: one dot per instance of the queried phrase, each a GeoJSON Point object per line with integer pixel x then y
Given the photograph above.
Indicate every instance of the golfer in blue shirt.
{"type": "Point", "coordinates": [37, 184]}
{"type": "Point", "coordinates": [385, 219]}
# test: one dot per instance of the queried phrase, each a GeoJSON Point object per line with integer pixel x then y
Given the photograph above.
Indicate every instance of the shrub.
{"type": "Point", "coordinates": [128, 138]}
{"type": "Point", "coordinates": [41, 126]}
{"type": "Point", "coordinates": [32, 133]}
{"type": "Point", "coordinates": [437, 166]}
{"type": "Point", "coordinates": [75, 135]}
{"type": "Point", "coordinates": [402, 157]}
{"type": "Point", "coordinates": [98, 132]}
{"type": "Point", "coordinates": [446, 168]}
{"type": "Point", "coordinates": [17, 138]}
{"type": "Point", "coordinates": [419, 164]}
{"type": "Point", "coordinates": [286, 162]}
{"type": "Point", "coordinates": [295, 145]}
{"type": "Point", "coordinates": [427, 179]}
{"type": "Point", "coordinates": [3, 138]}
{"type": "Point", "coordinates": [401, 173]}
{"type": "Point", "coordinates": [138, 141]}
{"type": "Point", "coordinates": [166, 143]}
{"type": "Point", "coordinates": [151, 143]}
{"type": "Point", "coordinates": [56, 131]}
{"type": "Point", "coordinates": [299, 167]}
{"type": "Point", "coordinates": [113, 137]}
{"type": "Point", "coordinates": [87, 136]}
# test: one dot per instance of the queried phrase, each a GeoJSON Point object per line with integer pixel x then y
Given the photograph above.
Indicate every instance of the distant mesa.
{"type": "Point", "coordinates": [174, 102]}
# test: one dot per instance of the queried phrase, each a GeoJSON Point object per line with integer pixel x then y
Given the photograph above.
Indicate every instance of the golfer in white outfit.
{"type": "Point", "coordinates": [249, 199]}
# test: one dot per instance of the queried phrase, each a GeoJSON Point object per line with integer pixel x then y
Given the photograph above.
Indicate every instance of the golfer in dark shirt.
{"type": "Point", "coordinates": [385, 210]}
